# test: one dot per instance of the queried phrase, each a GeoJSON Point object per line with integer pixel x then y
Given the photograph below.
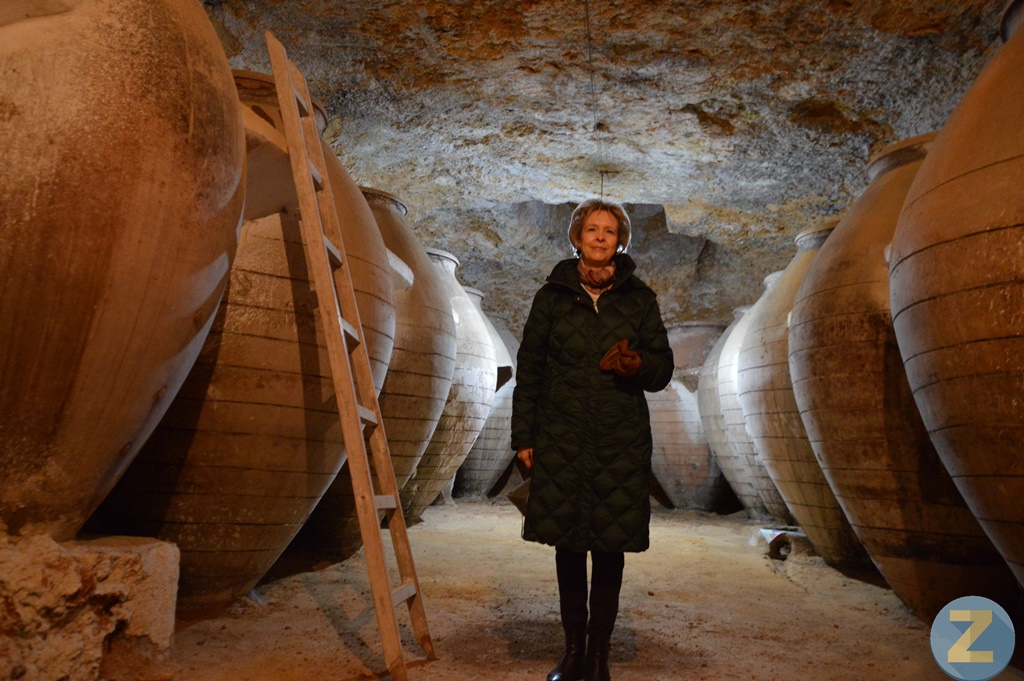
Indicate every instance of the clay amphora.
{"type": "Point", "coordinates": [773, 419]}
{"type": "Point", "coordinates": [415, 388]}
{"type": "Point", "coordinates": [469, 400]}
{"type": "Point", "coordinates": [271, 189]}
{"type": "Point", "coordinates": [737, 436]}
{"type": "Point", "coordinates": [269, 184]}
{"type": "Point", "coordinates": [492, 451]}
{"type": "Point", "coordinates": [681, 460]}
{"type": "Point", "coordinates": [121, 193]}
{"type": "Point", "coordinates": [957, 295]}
{"type": "Point", "coordinates": [260, 399]}
{"type": "Point", "coordinates": [252, 440]}
{"type": "Point", "coordinates": [736, 470]}
{"type": "Point", "coordinates": [860, 416]}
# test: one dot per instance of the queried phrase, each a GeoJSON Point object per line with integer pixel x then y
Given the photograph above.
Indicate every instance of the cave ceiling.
{"type": "Point", "coordinates": [727, 127]}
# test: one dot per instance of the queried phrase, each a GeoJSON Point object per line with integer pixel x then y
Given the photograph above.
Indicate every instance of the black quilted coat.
{"type": "Point", "coordinates": [590, 430]}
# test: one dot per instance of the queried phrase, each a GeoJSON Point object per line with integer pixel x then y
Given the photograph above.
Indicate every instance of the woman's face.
{"type": "Point", "coordinates": [599, 238]}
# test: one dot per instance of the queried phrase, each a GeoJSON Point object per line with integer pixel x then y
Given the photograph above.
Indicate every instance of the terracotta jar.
{"type": "Point", "coordinates": [957, 295]}
{"type": "Point", "coordinates": [469, 400]}
{"type": "Point", "coordinates": [773, 419]}
{"type": "Point", "coordinates": [849, 383]}
{"type": "Point", "coordinates": [492, 451]}
{"type": "Point", "coordinates": [269, 185]}
{"type": "Point", "coordinates": [737, 434]}
{"type": "Point", "coordinates": [252, 440]}
{"type": "Point", "coordinates": [121, 193]}
{"type": "Point", "coordinates": [682, 461]}
{"type": "Point", "coordinates": [271, 188]}
{"type": "Point", "coordinates": [417, 383]}
{"type": "Point", "coordinates": [737, 470]}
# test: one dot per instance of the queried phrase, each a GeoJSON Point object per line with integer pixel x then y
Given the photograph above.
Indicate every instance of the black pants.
{"type": "Point", "coordinates": [606, 581]}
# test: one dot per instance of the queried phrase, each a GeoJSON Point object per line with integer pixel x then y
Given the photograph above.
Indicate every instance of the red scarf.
{"type": "Point", "coordinates": [597, 280]}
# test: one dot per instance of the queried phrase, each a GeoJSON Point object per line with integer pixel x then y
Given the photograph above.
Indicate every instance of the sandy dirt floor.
{"type": "Point", "coordinates": [705, 602]}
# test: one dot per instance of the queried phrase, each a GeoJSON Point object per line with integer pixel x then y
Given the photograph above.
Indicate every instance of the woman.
{"type": "Point", "coordinates": [593, 343]}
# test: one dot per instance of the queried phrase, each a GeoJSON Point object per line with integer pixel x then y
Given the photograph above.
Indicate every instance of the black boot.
{"type": "Point", "coordinates": [597, 660]}
{"type": "Point", "coordinates": [572, 603]}
{"type": "Point", "coordinates": [571, 666]}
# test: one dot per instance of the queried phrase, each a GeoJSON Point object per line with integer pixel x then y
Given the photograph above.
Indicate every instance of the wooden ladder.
{"type": "Point", "coordinates": [350, 367]}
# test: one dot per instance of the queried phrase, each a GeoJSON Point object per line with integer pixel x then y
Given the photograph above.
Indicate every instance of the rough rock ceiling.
{"type": "Point", "coordinates": [729, 125]}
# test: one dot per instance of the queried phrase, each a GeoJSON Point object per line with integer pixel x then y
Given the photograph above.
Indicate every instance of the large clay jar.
{"type": "Point", "coordinates": [773, 419]}
{"type": "Point", "coordinates": [271, 190]}
{"type": "Point", "coordinates": [469, 400]}
{"type": "Point", "coordinates": [419, 377]}
{"type": "Point", "coordinates": [253, 439]}
{"type": "Point", "coordinates": [737, 435]}
{"type": "Point", "coordinates": [849, 383]}
{"type": "Point", "coordinates": [269, 185]}
{"type": "Point", "coordinates": [120, 197]}
{"type": "Point", "coordinates": [492, 451]}
{"type": "Point", "coordinates": [957, 294]}
{"type": "Point", "coordinates": [417, 383]}
{"type": "Point", "coordinates": [736, 470]}
{"type": "Point", "coordinates": [681, 460]}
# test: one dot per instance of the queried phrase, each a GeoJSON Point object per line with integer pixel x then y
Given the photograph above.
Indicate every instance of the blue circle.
{"type": "Point", "coordinates": [972, 639]}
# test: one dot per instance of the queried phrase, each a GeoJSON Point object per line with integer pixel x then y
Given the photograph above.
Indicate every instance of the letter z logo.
{"type": "Point", "coordinates": [980, 652]}
{"type": "Point", "coordinates": [961, 652]}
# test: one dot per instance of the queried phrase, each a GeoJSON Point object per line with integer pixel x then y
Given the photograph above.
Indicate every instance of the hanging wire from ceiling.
{"type": "Point", "coordinates": [593, 98]}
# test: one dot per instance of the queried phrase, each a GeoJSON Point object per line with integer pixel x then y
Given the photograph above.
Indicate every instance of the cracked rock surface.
{"type": "Point", "coordinates": [728, 125]}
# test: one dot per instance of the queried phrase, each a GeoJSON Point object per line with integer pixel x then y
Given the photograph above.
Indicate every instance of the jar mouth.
{"type": "Point", "coordinates": [382, 196]}
{"type": "Point", "coordinates": [1011, 20]}
{"type": "Point", "coordinates": [815, 236]}
{"type": "Point", "coordinates": [902, 153]}
{"type": "Point", "coordinates": [442, 255]}
{"type": "Point", "coordinates": [254, 86]}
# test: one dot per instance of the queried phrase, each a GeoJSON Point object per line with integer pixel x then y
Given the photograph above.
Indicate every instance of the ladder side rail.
{"type": "Point", "coordinates": [313, 238]}
{"type": "Point", "coordinates": [367, 397]}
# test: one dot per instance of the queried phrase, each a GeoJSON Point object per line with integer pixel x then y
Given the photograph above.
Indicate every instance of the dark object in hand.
{"type": "Point", "coordinates": [620, 359]}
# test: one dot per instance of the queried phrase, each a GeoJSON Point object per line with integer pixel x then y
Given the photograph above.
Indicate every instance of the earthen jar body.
{"type": "Point", "coordinates": [773, 418]}
{"type": "Point", "coordinates": [261, 397]}
{"type": "Point", "coordinates": [492, 451]}
{"type": "Point", "coordinates": [252, 440]}
{"type": "Point", "coordinates": [423, 361]}
{"type": "Point", "coordinates": [469, 400]}
{"type": "Point", "coordinates": [415, 388]}
{"type": "Point", "coordinates": [860, 416]}
{"type": "Point", "coordinates": [957, 295]}
{"type": "Point", "coordinates": [119, 216]}
{"type": "Point", "coordinates": [271, 189]}
{"type": "Point", "coordinates": [738, 437]}
{"type": "Point", "coordinates": [708, 403]}
{"type": "Point", "coordinates": [737, 470]}
{"type": "Point", "coordinates": [681, 459]}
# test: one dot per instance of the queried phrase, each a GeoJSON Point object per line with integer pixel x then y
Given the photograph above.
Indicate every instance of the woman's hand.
{"type": "Point", "coordinates": [620, 359]}
{"type": "Point", "coordinates": [526, 458]}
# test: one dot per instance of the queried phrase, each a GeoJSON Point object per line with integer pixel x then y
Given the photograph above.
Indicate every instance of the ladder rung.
{"type": "Point", "coordinates": [367, 416]}
{"type": "Point", "coordinates": [332, 251]}
{"type": "Point", "coordinates": [318, 180]}
{"type": "Point", "coordinates": [403, 593]}
{"type": "Point", "coordinates": [300, 101]}
{"type": "Point", "coordinates": [384, 502]}
{"type": "Point", "coordinates": [351, 334]}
